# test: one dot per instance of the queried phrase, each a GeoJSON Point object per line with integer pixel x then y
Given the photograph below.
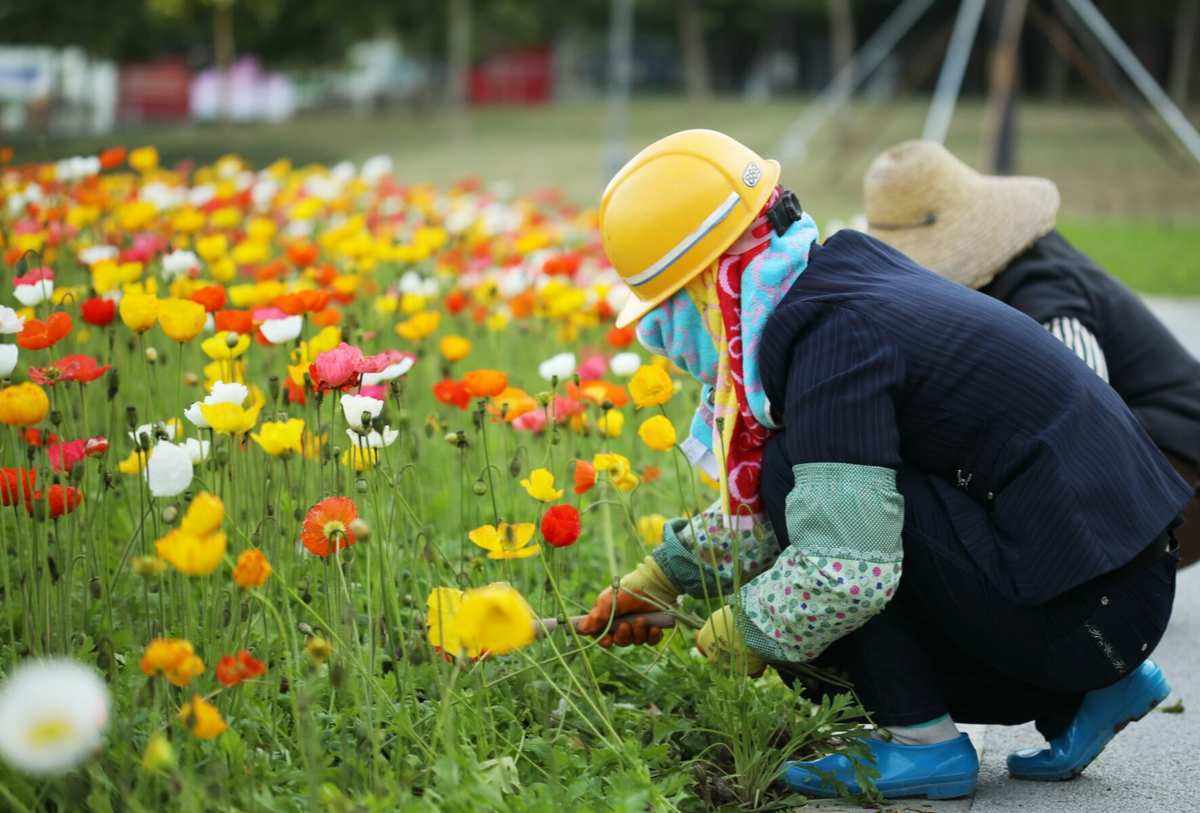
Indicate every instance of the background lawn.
{"type": "Point", "coordinates": [1133, 210]}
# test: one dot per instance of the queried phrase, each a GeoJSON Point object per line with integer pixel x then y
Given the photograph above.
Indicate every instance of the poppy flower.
{"type": "Point", "coordinates": [598, 392]}
{"type": "Point", "coordinates": [252, 569]}
{"type": "Point", "coordinates": [506, 541]}
{"type": "Point", "coordinates": [99, 311]}
{"type": "Point", "coordinates": [560, 526]}
{"type": "Point", "coordinates": [202, 718]}
{"type": "Point", "coordinates": [23, 404]}
{"type": "Point", "coordinates": [452, 393]}
{"type": "Point", "coordinates": [38, 334]}
{"type": "Point", "coordinates": [494, 620]}
{"type": "Point", "coordinates": [68, 368]}
{"type": "Point", "coordinates": [232, 670]}
{"type": "Point", "coordinates": [299, 302]}
{"type": "Point", "coordinates": [57, 500]}
{"type": "Point", "coordinates": [233, 321]}
{"type": "Point", "coordinates": [456, 301]}
{"type": "Point", "coordinates": [327, 526]}
{"type": "Point", "coordinates": [16, 485]}
{"type": "Point", "coordinates": [302, 253]}
{"type": "Point", "coordinates": [212, 297]}
{"type": "Point", "coordinates": [658, 433]}
{"type": "Point", "coordinates": [173, 658]}
{"type": "Point", "coordinates": [651, 386]}
{"type": "Point", "coordinates": [620, 337]}
{"type": "Point", "coordinates": [585, 476]}
{"type": "Point", "coordinates": [112, 157]}
{"type": "Point", "coordinates": [339, 368]}
{"type": "Point", "coordinates": [64, 456]}
{"type": "Point", "coordinates": [540, 485]}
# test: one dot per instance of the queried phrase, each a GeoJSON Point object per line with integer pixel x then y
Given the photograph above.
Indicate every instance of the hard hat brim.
{"type": "Point", "coordinates": [635, 308]}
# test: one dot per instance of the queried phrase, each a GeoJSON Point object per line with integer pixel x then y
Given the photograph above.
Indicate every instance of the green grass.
{"type": "Point", "coordinates": [1150, 257]}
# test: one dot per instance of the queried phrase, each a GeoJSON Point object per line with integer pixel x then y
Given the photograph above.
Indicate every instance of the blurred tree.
{"type": "Point", "coordinates": [690, 21]}
{"type": "Point", "coordinates": [1182, 50]}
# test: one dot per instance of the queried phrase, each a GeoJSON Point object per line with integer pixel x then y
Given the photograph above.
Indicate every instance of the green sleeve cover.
{"type": "Point", "coordinates": [704, 559]}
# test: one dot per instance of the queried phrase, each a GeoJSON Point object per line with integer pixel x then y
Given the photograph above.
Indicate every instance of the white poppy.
{"type": "Point", "coordinates": [560, 367]}
{"type": "Point", "coordinates": [624, 364]}
{"type": "Point", "coordinates": [375, 168]}
{"type": "Point", "coordinates": [282, 330]}
{"type": "Point", "coordinates": [355, 405]}
{"type": "Point", "coordinates": [197, 450]}
{"type": "Point", "coordinates": [373, 439]}
{"type": "Point", "coordinates": [389, 372]}
{"type": "Point", "coordinates": [9, 321]}
{"type": "Point", "coordinates": [169, 470]}
{"type": "Point", "coordinates": [8, 359]}
{"type": "Point", "coordinates": [94, 254]}
{"type": "Point", "coordinates": [52, 714]}
{"type": "Point", "coordinates": [199, 195]}
{"type": "Point", "coordinates": [34, 294]}
{"type": "Point", "coordinates": [180, 262]}
{"type": "Point", "coordinates": [222, 393]}
{"type": "Point", "coordinates": [151, 431]}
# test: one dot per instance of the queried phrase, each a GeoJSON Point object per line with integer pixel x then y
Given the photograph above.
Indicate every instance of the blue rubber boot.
{"type": "Point", "coordinates": [946, 770]}
{"type": "Point", "coordinates": [1101, 716]}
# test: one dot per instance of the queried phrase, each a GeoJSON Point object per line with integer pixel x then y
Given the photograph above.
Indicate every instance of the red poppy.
{"type": "Point", "coordinates": [69, 368]}
{"type": "Point", "coordinates": [35, 438]}
{"type": "Point", "coordinates": [452, 393]}
{"type": "Point", "coordinates": [327, 526]}
{"type": "Point", "coordinates": [38, 335]}
{"type": "Point", "coordinates": [112, 157]}
{"type": "Point", "coordinates": [560, 526]}
{"type": "Point", "coordinates": [212, 297]}
{"type": "Point", "coordinates": [65, 456]}
{"type": "Point", "coordinates": [585, 476]}
{"type": "Point", "coordinates": [456, 301]}
{"type": "Point", "coordinates": [233, 321]}
{"type": "Point", "coordinates": [562, 265]}
{"type": "Point", "coordinates": [98, 311]}
{"type": "Point", "coordinates": [620, 337]}
{"type": "Point", "coordinates": [232, 670]}
{"type": "Point", "coordinates": [58, 500]}
{"type": "Point", "coordinates": [16, 484]}
{"type": "Point", "coordinates": [295, 392]}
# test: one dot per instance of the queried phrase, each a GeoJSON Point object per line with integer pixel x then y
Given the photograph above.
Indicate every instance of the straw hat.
{"type": "Point", "coordinates": [962, 224]}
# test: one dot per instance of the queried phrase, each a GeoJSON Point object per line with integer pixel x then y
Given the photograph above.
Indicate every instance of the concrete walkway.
{"type": "Point", "coordinates": [1153, 765]}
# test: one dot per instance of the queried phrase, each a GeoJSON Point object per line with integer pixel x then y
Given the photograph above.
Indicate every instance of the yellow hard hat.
{"type": "Point", "coordinates": [671, 211]}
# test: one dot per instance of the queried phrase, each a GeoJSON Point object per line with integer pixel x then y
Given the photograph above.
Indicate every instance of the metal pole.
{"type": "Point", "coordinates": [620, 75]}
{"type": "Point", "coordinates": [837, 92]}
{"type": "Point", "coordinates": [1160, 101]}
{"type": "Point", "coordinates": [941, 110]}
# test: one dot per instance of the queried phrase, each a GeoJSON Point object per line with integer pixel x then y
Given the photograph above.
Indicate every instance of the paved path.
{"type": "Point", "coordinates": [1154, 765]}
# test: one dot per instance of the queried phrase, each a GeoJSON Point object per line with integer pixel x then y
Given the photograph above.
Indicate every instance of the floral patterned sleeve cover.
{"type": "Point", "coordinates": [842, 566]}
{"type": "Point", "coordinates": [702, 557]}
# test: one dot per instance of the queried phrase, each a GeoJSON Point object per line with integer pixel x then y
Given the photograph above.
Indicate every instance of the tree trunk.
{"type": "Point", "coordinates": [999, 131]}
{"type": "Point", "coordinates": [223, 51]}
{"type": "Point", "coordinates": [458, 52]}
{"type": "Point", "coordinates": [841, 35]}
{"type": "Point", "coordinates": [692, 47]}
{"type": "Point", "coordinates": [1182, 49]}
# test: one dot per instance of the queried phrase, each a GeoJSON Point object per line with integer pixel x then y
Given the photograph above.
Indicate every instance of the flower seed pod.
{"type": "Point", "coordinates": [113, 381]}
{"type": "Point", "coordinates": [131, 419]}
{"type": "Point", "coordinates": [514, 465]}
{"type": "Point", "coordinates": [360, 485]}
{"type": "Point", "coordinates": [56, 417]}
{"type": "Point", "coordinates": [273, 387]}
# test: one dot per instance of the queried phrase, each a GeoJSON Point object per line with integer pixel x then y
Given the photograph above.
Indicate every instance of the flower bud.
{"type": "Point", "coordinates": [151, 355]}
{"type": "Point", "coordinates": [360, 485]}
{"type": "Point", "coordinates": [191, 379]}
{"type": "Point", "coordinates": [159, 755]}
{"type": "Point", "coordinates": [479, 487]}
{"type": "Point", "coordinates": [318, 650]}
{"type": "Point", "coordinates": [360, 528]}
{"type": "Point", "coordinates": [148, 566]}
{"type": "Point", "coordinates": [170, 514]}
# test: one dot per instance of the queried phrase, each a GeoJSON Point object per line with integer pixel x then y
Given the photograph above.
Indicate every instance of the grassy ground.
{"type": "Point", "coordinates": [1123, 202]}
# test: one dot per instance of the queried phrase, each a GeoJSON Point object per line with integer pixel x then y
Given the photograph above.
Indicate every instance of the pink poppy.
{"type": "Point", "coordinates": [34, 276]}
{"type": "Point", "coordinates": [566, 408]}
{"type": "Point", "coordinates": [376, 391]}
{"type": "Point", "coordinates": [338, 368]}
{"type": "Point", "coordinates": [532, 421]}
{"type": "Point", "coordinates": [594, 366]}
{"type": "Point", "coordinates": [66, 454]}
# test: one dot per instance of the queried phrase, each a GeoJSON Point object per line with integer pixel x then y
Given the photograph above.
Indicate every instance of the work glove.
{"type": "Point", "coordinates": [647, 581]}
{"type": "Point", "coordinates": [721, 640]}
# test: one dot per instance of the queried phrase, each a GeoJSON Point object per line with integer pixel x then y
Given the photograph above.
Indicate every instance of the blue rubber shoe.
{"type": "Point", "coordinates": [946, 770]}
{"type": "Point", "coordinates": [1101, 716]}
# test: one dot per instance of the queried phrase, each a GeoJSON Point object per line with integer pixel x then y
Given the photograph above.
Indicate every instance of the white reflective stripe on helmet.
{"type": "Point", "coordinates": [684, 245]}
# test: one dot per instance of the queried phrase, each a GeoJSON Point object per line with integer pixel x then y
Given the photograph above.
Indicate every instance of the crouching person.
{"type": "Point", "coordinates": [920, 487]}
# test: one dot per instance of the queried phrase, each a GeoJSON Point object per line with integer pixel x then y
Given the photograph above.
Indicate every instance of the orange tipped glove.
{"type": "Point", "coordinates": [720, 640]}
{"type": "Point", "coordinates": [646, 582]}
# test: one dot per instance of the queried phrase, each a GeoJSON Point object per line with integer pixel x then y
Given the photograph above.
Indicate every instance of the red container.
{"type": "Point", "coordinates": [514, 77]}
{"type": "Point", "coordinates": [154, 91]}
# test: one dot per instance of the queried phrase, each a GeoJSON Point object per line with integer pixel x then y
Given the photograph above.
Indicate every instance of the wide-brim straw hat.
{"type": "Point", "coordinates": [960, 223]}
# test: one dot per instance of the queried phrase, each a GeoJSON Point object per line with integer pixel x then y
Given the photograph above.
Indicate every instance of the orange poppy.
{"type": "Point", "coordinates": [232, 670]}
{"type": "Point", "coordinates": [38, 335]}
{"type": "Point", "coordinates": [112, 157]}
{"type": "Point", "coordinates": [485, 383]}
{"type": "Point", "coordinates": [302, 302]}
{"type": "Point", "coordinates": [212, 297]}
{"type": "Point", "coordinates": [650, 474]}
{"type": "Point", "coordinates": [620, 337]}
{"type": "Point", "coordinates": [511, 403]}
{"type": "Point", "coordinates": [234, 321]}
{"type": "Point", "coordinates": [599, 392]}
{"type": "Point", "coordinates": [327, 526]}
{"type": "Point", "coordinates": [456, 301]}
{"type": "Point", "coordinates": [327, 317]}
{"type": "Point", "coordinates": [585, 476]}
{"type": "Point", "coordinates": [452, 393]}
{"type": "Point", "coordinates": [302, 253]}
{"type": "Point", "coordinates": [521, 306]}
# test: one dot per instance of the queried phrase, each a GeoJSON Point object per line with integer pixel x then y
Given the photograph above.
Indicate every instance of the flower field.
{"type": "Point", "coordinates": [294, 460]}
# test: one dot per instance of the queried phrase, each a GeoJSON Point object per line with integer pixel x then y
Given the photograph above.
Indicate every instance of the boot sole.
{"type": "Point", "coordinates": [1162, 691]}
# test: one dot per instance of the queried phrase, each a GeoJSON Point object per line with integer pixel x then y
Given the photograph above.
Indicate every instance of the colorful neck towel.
{"type": "Point", "coordinates": [713, 329]}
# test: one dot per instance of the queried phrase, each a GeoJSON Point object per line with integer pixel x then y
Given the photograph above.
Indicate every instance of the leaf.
{"type": "Point", "coordinates": [1174, 708]}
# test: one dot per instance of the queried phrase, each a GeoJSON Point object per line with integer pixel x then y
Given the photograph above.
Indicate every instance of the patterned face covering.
{"type": "Point", "coordinates": [712, 329]}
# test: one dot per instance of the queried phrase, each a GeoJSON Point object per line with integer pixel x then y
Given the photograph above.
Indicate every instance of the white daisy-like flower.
{"type": "Point", "coordinates": [180, 262]}
{"type": "Point", "coordinates": [625, 364]}
{"type": "Point", "coordinates": [560, 366]}
{"type": "Point", "coordinates": [389, 372]}
{"type": "Point", "coordinates": [10, 322]}
{"type": "Point", "coordinates": [34, 294]}
{"type": "Point", "coordinates": [169, 470]}
{"type": "Point", "coordinates": [282, 330]}
{"type": "Point", "coordinates": [355, 405]}
{"type": "Point", "coordinates": [52, 715]}
{"type": "Point", "coordinates": [373, 439]}
{"type": "Point", "coordinates": [8, 359]}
